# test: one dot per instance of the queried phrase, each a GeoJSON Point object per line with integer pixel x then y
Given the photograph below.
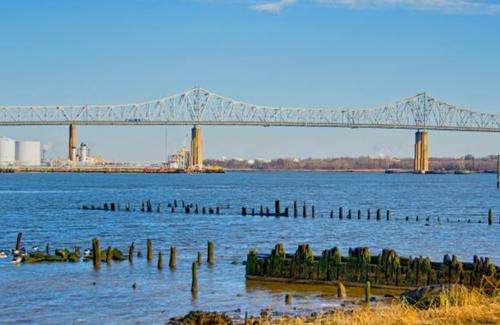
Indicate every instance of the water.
{"type": "Point", "coordinates": [45, 207]}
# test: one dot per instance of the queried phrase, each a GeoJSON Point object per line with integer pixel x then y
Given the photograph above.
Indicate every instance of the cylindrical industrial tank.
{"type": "Point", "coordinates": [7, 151]}
{"type": "Point", "coordinates": [28, 153]}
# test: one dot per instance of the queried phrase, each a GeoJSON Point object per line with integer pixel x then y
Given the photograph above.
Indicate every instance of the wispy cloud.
{"type": "Point", "coordinates": [275, 7]}
{"type": "Point", "coordinates": [445, 6]}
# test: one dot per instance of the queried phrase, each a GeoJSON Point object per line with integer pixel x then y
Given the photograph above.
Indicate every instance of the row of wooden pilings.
{"type": "Point", "coordinates": [379, 215]}
{"type": "Point", "coordinates": [149, 207]}
{"type": "Point", "coordinates": [96, 258]}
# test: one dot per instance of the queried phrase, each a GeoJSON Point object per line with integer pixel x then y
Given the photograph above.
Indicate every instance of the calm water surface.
{"type": "Point", "coordinates": [45, 207]}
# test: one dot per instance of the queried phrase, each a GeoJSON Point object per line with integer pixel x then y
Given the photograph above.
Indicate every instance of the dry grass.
{"type": "Point", "coordinates": [457, 306]}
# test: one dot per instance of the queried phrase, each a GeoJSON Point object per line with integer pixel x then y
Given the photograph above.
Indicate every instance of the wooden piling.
{"type": "Point", "coordinates": [109, 255]}
{"type": "Point", "coordinates": [198, 258]}
{"type": "Point", "coordinates": [173, 257]}
{"type": "Point", "coordinates": [19, 240]}
{"type": "Point", "coordinates": [194, 282]}
{"type": "Point", "coordinates": [378, 214]}
{"type": "Point", "coordinates": [288, 299]}
{"type": "Point", "coordinates": [277, 209]}
{"type": "Point", "coordinates": [490, 217]}
{"type": "Point", "coordinates": [341, 213]}
{"type": "Point", "coordinates": [149, 254]}
{"type": "Point", "coordinates": [304, 210]}
{"type": "Point", "coordinates": [210, 253]}
{"type": "Point", "coordinates": [47, 249]}
{"type": "Point", "coordinates": [160, 261]}
{"type": "Point", "coordinates": [349, 214]}
{"type": "Point", "coordinates": [359, 214]}
{"type": "Point", "coordinates": [331, 214]}
{"type": "Point", "coordinates": [367, 291]}
{"type": "Point", "coordinates": [388, 215]}
{"type": "Point", "coordinates": [131, 253]}
{"type": "Point", "coordinates": [313, 211]}
{"type": "Point", "coordinates": [341, 292]}
{"type": "Point", "coordinates": [295, 210]}
{"type": "Point", "coordinates": [96, 253]}
{"type": "Point", "coordinates": [368, 214]}
{"type": "Point", "coordinates": [243, 211]}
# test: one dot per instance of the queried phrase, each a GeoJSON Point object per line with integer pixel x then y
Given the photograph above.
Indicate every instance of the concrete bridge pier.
{"type": "Point", "coordinates": [421, 159]}
{"type": "Point", "coordinates": [72, 143]}
{"type": "Point", "coordinates": [196, 160]}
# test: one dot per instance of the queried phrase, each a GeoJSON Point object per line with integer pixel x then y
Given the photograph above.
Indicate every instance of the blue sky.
{"type": "Point", "coordinates": [311, 53]}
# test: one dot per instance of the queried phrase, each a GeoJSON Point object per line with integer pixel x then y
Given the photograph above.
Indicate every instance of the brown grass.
{"type": "Point", "coordinates": [457, 306]}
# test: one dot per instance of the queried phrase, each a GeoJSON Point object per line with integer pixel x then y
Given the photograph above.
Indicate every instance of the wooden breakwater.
{"type": "Point", "coordinates": [306, 210]}
{"type": "Point", "coordinates": [149, 206]}
{"type": "Point", "coordinates": [387, 269]}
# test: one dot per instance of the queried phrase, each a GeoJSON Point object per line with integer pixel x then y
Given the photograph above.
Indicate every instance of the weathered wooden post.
{"type": "Point", "coordinates": [217, 210]}
{"type": "Point", "coordinates": [261, 212]}
{"type": "Point", "coordinates": [304, 210]}
{"type": "Point", "coordinates": [349, 214]}
{"type": "Point", "coordinates": [490, 217]}
{"type": "Point", "coordinates": [367, 291]}
{"type": "Point", "coordinates": [149, 253]}
{"type": "Point", "coordinates": [253, 211]}
{"type": "Point", "coordinates": [341, 292]}
{"type": "Point", "coordinates": [378, 214]}
{"type": "Point", "coordinates": [286, 212]}
{"type": "Point", "coordinates": [313, 211]}
{"type": "Point", "coordinates": [388, 215]}
{"type": "Point", "coordinates": [196, 209]}
{"type": "Point", "coordinates": [243, 211]}
{"type": "Point", "coordinates": [295, 210]}
{"type": "Point", "coordinates": [368, 214]}
{"type": "Point", "coordinates": [47, 249]}
{"type": "Point", "coordinates": [277, 209]}
{"type": "Point", "coordinates": [194, 282]}
{"type": "Point", "coordinates": [131, 253]}
{"type": "Point", "coordinates": [19, 240]}
{"type": "Point", "coordinates": [198, 258]}
{"type": "Point", "coordinates": [211, 253]}
{"type": "Point", "coordinates": [96, 253]}
{"type": "Point", "coordinates": [109, 255]}
{"type": "Point", "coordinates": [341, 213]}
{"type": "Point", "coordinates": [288, 299]}
{"type": "Point", "coordinates": [173, 257]}
{"type": "Point", "coordinates": [204, 210]}
{"type": "Point", "coordinates": [160, 261]}
{"type": "Point", "coordinates": [359, 214]}
{"type": "Point", "coordinates": [331, 214]}
{"type": "Point", "coordinates": [267, 212]}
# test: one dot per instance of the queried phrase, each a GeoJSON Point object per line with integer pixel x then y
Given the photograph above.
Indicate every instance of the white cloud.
{"type": "Point", "coordinates": [446, 6]}
{"type": "Point", "coordinates": [274, 7]}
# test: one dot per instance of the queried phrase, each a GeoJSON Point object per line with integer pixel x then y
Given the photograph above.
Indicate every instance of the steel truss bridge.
{"type": "Point", "coordinates": [202, 107]}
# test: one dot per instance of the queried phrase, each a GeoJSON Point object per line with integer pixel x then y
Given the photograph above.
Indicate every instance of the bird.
{"type": "Point", "coordinates": [3, 254]}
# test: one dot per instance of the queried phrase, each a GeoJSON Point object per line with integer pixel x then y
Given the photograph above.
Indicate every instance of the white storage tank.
{"type": "Point", "coordinates": [7, 151]}
{"type": "Point", "coordinates": [28, 153]}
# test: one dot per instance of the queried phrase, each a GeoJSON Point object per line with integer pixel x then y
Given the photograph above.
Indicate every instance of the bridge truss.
{"type": "Point", "coordinates": [201, 107]}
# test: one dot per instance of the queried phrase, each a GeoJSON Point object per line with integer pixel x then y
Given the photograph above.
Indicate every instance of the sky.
{"type": "Point", "coordinates": [298, 53]}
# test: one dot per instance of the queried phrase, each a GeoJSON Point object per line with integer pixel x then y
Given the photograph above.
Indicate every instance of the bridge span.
{"type": "Point", "coordinates": [199, 107]}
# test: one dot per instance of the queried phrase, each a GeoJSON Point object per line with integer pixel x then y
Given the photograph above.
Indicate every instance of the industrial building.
{"type": "Point", "coordinates": [23, 153]}
{"type": "Point", "coordinates": [7, 151]}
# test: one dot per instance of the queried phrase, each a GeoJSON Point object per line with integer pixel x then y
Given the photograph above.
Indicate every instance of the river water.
{"type": "Point", "coordinates": [46, 208]}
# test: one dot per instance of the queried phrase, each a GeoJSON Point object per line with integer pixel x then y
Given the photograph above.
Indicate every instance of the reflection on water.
{"type": "Point", "coordinates": [45, 208]}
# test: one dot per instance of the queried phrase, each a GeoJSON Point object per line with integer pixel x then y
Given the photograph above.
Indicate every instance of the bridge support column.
{"type": "Point", "coordinates": [421, 159]}
{"type": "Point", "coordinates": [196, 148]}
{"type": "Point", "coordinates": [72, 143]}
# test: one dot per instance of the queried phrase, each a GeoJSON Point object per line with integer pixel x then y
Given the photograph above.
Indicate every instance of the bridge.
{"type": "Point", "coordinates": [202, 107]}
